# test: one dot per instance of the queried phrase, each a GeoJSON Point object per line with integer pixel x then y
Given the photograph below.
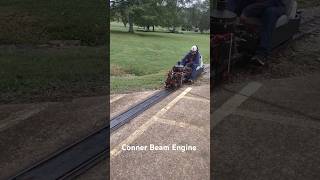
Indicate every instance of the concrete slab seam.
{"type": "Point", "coordinates": [179, 124]}
{"type": "Point", "coordinates": [197, 95]}
{"type": "Point", "coordinates": [117, 98]}
{"type": "Point", "coordinates": [22, 115]}
{"type": "Point", "coordinates": [278, 119]}
{"type": "Point", "coordinates": [135, 135]}
{"type": "Point", "coordinates": [234, 102]}
{"type": "Point", "coordinates": [197, 99]}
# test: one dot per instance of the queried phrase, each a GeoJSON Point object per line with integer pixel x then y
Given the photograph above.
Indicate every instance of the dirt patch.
{"type": "Point", "coordinates": [116, 70]}
{"type": "Point", "coordinates": [12, 23]}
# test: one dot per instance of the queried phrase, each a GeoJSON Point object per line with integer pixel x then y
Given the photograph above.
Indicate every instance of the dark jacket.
{"type": "Point", "coordinates": [189, 58]}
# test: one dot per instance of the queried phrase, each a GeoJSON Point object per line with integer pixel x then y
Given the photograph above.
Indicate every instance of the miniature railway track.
{"type": "Point", "coordinates": [134, 111]}
{"type": "Point", "coordinates": [76, 158]}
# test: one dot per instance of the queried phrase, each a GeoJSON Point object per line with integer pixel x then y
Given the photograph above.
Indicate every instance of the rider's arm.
{"type": "Point", "coordinates": [184, 60]}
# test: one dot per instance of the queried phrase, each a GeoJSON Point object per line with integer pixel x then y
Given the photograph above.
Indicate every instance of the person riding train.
{"type": "Point", "coordinates": [193, 60]}
{"type": "Point", "coordinates": [267, 11]}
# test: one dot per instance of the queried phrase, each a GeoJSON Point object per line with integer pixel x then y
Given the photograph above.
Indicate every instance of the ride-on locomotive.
{"type": "Point", "coordinates": [180, 74]}
{"type": "Point", "coordinates": [231, 41]}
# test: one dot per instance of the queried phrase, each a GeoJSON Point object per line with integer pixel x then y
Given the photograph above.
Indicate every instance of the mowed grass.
{"type": "Point", "coordinates": [35, 22]}
{"type": "Point", "coordinates": [140, 61]}
{"type": "Point", "coordinates": [308, 3]}
{"type": "Point", "coordinates": [45, 74]}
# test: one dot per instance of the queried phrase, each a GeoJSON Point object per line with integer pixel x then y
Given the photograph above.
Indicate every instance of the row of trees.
{"type": "Point", "coordinates": [188, 14]}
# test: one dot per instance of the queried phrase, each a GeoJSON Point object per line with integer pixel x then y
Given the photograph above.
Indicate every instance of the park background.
{"type": "Point", "coordinates": [147, 37]}
{"type": "Point", "coordinates": [53, 50]}
{"type": "Point", "coordinates": [36, 63]}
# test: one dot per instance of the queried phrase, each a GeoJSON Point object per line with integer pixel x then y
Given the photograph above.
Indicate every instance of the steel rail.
{"type": "Point", "coordinates": [80, 156]}
{"type": "Point", "coordinates": [134, 111]}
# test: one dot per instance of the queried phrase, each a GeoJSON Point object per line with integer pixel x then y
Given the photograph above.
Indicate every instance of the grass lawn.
{"type": "Point", "coordinates": [308, 3]}
{"type": "Point", "coordinates": [32, 21]}
{"type": "Point", "coordinates": [32, 74]}
{"type": "Point", "coordinates": [140, 61]}
{"type": "Point", "coordinates": [36, 74]}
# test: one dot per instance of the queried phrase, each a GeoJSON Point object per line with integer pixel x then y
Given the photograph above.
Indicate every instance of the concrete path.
{"type": "Point", "coordinates": [160, 135]}
{"type": "Point", "coordinates": [268, 129]}
{"type": "Point", "coordinates": [31, 132]}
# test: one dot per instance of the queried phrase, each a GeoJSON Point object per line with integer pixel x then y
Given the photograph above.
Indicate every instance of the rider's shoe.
{"type": "Point", "coordinates": [259, 59]}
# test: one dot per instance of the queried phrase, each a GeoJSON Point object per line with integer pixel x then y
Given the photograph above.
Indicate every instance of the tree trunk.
{"type": "Point", "coordinates": [130, 21]}
{"type": "Point", "coordinates": [153, 28]}
{"type": "Point", "coordinates": [124, 22]}
{"type": "Point", "coordinates": [148, 28]}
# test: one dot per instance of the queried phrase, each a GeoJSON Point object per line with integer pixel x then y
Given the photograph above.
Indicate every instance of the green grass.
{"type": "Point", "coordinates": [141, 60]}
{"type": "Point", "coordinates": [34, 22]}
{"type": "Point", "coordinates": [36, 74]}
{"type": "Point", "coordinates": [31, 74]}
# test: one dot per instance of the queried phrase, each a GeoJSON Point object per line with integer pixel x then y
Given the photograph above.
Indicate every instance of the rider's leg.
{"type": "Point", "coordinates": [195, 72]}
{"type": "Point", "coordinates": [237, 6]}
{"type": "Point", "coordinates": [269, 19]}
{"type": "Point", "coordinates": [232, 5]}
{"type": "Point", "coordinates": [253, 10]}
{"type": "Point", "coordinates": [267, 12]}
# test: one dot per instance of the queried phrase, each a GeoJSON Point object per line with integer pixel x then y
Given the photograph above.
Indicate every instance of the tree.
{"type": "Point", "coordinates": [197, 16]}
{"type": "Point", "coordinates": [124, 9]}
{"type": "Point", "coordinates": [167, 13]}
{"type": "Point", "coordinates": [192, 16]}
{"type": "Point", "coordinates": [147, 13]}
{"type": "Point", "coordinates": [173, 13]}
{"type": "Point", "coordinates": [205, 16]}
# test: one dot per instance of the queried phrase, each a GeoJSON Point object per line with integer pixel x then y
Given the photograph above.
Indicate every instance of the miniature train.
{"type": "Point", "coordinates": [177, 76]}
{"type": "Point", "coordinates": [230, 41]}
{"type": "Point", "coordinates": [180, 74]}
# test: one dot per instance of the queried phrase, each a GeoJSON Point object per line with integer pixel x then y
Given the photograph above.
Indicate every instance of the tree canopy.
{"type": "Point", "coordinates": [188, 14]}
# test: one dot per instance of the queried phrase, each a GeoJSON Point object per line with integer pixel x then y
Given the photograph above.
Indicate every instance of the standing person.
{"type": "Point", "coordinates": [268, 11]}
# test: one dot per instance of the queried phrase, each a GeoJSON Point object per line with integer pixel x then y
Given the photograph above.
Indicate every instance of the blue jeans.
{"type": "Point", "coordinates": [267, 11]}
{"type": "Point", "coordinates": [194, 72]}
{"type": "Point", "coordinates": [237, 6]}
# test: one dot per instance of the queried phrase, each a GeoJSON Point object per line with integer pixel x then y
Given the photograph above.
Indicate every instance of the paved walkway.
{"type": "Point", "coordinates": [30, 132]}
{"type": "Point", "coordinates": [268, 129]}
{"type": "Point", "coordinates": [171, 139]}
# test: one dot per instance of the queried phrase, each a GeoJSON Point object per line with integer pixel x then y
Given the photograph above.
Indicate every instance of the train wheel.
{"type": "Point", "coordinates": [179, 80]}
